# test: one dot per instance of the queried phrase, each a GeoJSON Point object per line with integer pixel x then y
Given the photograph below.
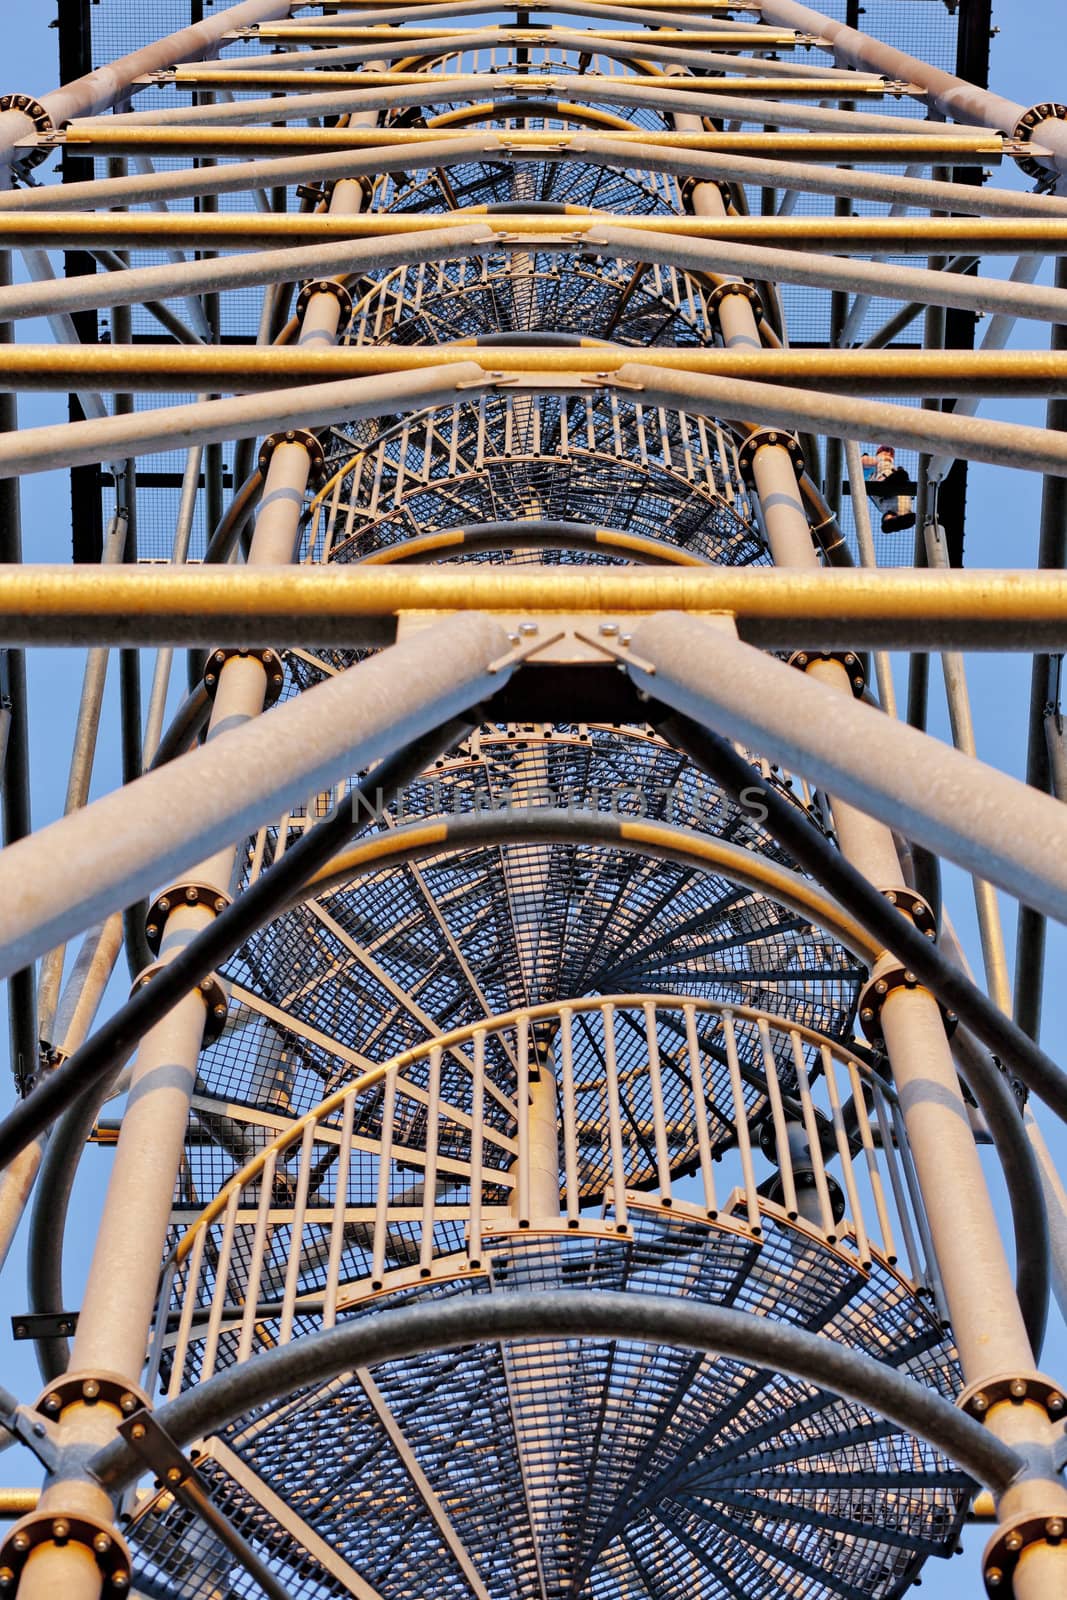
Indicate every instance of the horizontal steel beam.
{"type": "Point", "coordinates": [243, 230]}
{"type": "Point", "coordinates": [486, 88]}
{"type": "Point", "coordinates": [198, 369]}
{"type": "Point", "coordinates": [65, 445]}
{"type": "Point", "coordinates": [355, 605]}
{"type": "Point", "coordinates": [437, 86]}
{"type": "Point", "coordinates": [136, 285]}
{"type": "Point", "coordinates": [883, 148]}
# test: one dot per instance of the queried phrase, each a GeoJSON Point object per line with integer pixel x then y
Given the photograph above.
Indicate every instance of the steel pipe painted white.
{"type": "Point", "coordinates": [80, 869]}
{"type": "Point", "coordinates": [949, 94]}
{"type": "Point", "coordinates": [251, 270]}
{"type": "Point", "coordinates": [75, 444]}
{"type": "Point", "coordinates": [97, 91]}
{"type": "Point", "coordinates": [956, 806]}
{"type": "Point", "coordinates": [586, 90]}
{"type": "Point", "coordinates": [1003, 444]}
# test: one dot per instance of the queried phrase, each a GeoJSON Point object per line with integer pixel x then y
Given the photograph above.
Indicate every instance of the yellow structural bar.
{"type": "Point", "coordinates": [438, 84]}
{"type": "Point", "coordinates": [721, 39]}
{"type": "Point", "coordinates": [141, 138]}
{"type": "Point", "coordinates": [201, 368]}
{"type": "Point", "coordinates": [353, 604]}
{"type": "Point", "coordinates": [839, 235]}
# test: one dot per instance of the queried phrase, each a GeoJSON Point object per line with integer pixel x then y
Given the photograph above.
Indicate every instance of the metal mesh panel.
{"type": "Point", "coordinates": [757, 1476]}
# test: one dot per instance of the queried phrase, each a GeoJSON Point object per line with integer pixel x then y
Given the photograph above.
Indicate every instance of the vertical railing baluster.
{"type": "Point", "coordinates": [874, 1176]}
{"type": "Point", "coordinates": [781, 1129]}
{"type": "Point", "coordinates": [931, 1274]}
{"type": "Point", "coordinates": [659, 1121]}
{"type": "Point", "coordinates": [811, 1130]}
{"type": "Point", "coordinates": [385, 1159]}
{"type": "Point", "coordinates": [185, 1321]}
{"type": "Point", "coordinates": [611, 1075]}
{"type": "Point", "coordinates": [340, 1206]}
{"type": "Point", "coordinates": [522, 1100]}
{"type": "Point", "coordinates": [570, 1119]}
{"type": "Point", "coordinates": [259, 1247]}
{"type": "Point", "coordinates": [222, 1273]}
{"type": "Point", "coordinates": [900, 1198]}
{"type": "Point", "coordinates": [744, 1141]}
{"type": "Point", "coordinates": [296, 1234]}
{"type": "Point", "coordinates": [429, 1186]}
{"type": "Point", "coordinates": [700, 1111]}
{"type": "Point", "coordinates": [855, 1210]}
{"type": "Point", "coordinates": [474, 1242]}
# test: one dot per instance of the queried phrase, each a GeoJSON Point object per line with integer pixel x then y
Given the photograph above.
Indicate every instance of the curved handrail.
{"type": "Point", "coordinates": [467, 1035]}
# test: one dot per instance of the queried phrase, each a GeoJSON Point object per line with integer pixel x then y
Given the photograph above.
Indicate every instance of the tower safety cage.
{"type": "Point", "coordinates": [511, 452]}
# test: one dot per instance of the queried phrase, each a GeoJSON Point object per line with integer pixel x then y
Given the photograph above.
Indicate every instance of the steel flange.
{"type": "Point", "coordinates": [269, 660]}
{"type": "Point", "coordinates": [1045, 111]}
{"type": "Point", "coordinates": [180, 894]}
{"type": "Point", "coordinates": [876, 992]}
{"type": "Point", "coordinates": [846, 658]}
{"type": "Point", "coordinates": [211, 992]}
{"type": "Point", "coordinates": [757, 440]}
{"type": "Point", "coordinates": [44, 1527]}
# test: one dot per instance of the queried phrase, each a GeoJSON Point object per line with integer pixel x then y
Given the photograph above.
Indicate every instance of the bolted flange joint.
{"type": "Point", "coordinates": [877, 990]}
{"type": "Point", "coordinates": [738, 286]}
{"type": "Point", "coordinates": [689, 184]}
{"type": "Point", "coordinates": [180, 894]}
{"type": "Point", "coordinates": [1003, 1552]}
{"type": "Point", "coordinates": [269, 660]}
{"type": "Point", "coordinates": [776, 437]}
{"type": "Point", "coordinates": [89, 1389]}
{"type": "Point", "coordinates": [41, 120]}
{"type": "Point", "coordinates": [45, 1527]}
{"type": "Point", "coordinates": [913, 905]}
{"type": "Point", "coordinates": [1046, 111]}
{"type": "Point", "coordinates": [301, 436]}
{"type": "Point", "coordinates": [846, 658]}
{"type": "Point", "coordinates": [211, 992]}
{"type": "Point", "coordinates": [1015, 1388]}
{"type": "Point", "coordinates": [316, 286]}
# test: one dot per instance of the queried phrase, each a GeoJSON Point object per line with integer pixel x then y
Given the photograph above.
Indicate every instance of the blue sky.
{"type": "Point", "coordinates": [1029, 56]}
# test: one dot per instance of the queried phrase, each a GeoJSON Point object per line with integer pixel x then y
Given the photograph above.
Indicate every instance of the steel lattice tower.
{"type": "Point", "coordinates": [551, 1086]}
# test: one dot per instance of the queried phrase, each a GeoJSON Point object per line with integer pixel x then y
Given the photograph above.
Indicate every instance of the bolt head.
{"type": "Point", "coordinates": [60, 1529]}
{"type": "Point", "coordinates": [137, 1431]}
{"type": "Point", "coordinates": [881, 987]}
{"type": "Point", "coordinates": [979, 1402]}
{"type": "Point", "coordinates": [7, 1577]}
{"type": "Point", "coordinates": [1055, 1403]}
{"type": "Point", "coordinates": [174, 1474]}
{"type": "Point", "coordinates": [994, 1577]}
{"type": "Point", "coordinates": [20, 1541]}
{"type": "Point", "coordinates": [191, 895]}
{"type": "Point", "coordinates": [128, 1403]}
{"type": "Point", "coordinates": [1013, 1540]}
{"type": "Point", "coordinates": [91, 1389]}
{"type": "Point", "coordinates": [51, 1402]}
{"type": "Point", "coordinates": [164, 902]}
{"type": "Point", "coordinates": [102, 1544]}
{"type": "Point", "coordinates": [120, 1580]}
{"type": "Point", "coordinates": [1018, 1388]}
{"type": "Point", "coordinates": [1054, 1528]}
